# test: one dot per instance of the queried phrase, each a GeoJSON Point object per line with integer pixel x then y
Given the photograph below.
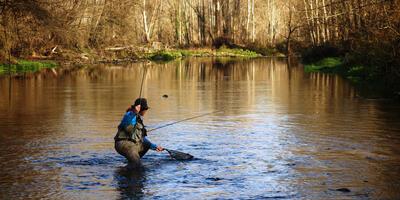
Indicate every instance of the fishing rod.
{"type": "Point", "coordinates": [187, 119]}
{"type": "Point", "coordinates": [141, 85]}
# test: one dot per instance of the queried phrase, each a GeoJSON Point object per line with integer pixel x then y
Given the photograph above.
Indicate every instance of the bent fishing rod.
{"type": "Point", "coordinates": [187, 119]}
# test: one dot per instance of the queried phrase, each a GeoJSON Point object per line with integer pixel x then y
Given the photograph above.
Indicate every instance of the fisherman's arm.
{"type": "Point", "coordinates": [152, 145]}
{"type": "Point", "coordinates": [133, 122]}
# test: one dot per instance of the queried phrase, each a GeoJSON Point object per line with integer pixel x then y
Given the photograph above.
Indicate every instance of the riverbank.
{"type": "Point", "coordinates": [119, 55]}
{"type": "Point", "coordinates": [365, 75]}
{"type": "Point", "coordinates": [21, 65]}
{"type": "Point", "coordinates": [168, 55]}
{"type": "Point", "coordinates": [355, 73]}
{"type": "Point", "coordinates": [123, 54]}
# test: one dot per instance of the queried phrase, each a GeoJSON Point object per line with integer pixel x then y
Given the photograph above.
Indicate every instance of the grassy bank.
{"type": "Point", "coordinates": [22, 66]}
{"type": "Point", "coordinates": [127, 54]}
{"type": "Point", "coordinates": [172, 54]}
{"type": "Point", "coordinates": [329, 64]}
{"type": "Point", "coordinates": [353, 72]}
{"type": "Point", "coordinates": [371, 81]}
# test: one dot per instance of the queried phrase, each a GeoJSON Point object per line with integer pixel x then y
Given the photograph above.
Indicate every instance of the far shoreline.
{"type": "Point", "coordinates": [122, 55]}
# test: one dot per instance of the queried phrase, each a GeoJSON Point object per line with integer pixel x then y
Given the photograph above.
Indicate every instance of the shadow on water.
{"type": "Point", "coordinates": [130, 183]}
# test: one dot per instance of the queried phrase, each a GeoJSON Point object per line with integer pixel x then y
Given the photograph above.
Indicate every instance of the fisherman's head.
{"type": "Point", "coordinates": [143, 105]}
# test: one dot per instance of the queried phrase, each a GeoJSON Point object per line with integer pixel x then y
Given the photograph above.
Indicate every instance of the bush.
{"type": "Point", "coordinates": [224, 51]}
{"type": "Point", "coordinates": [224, 41]}
{"type": "Point", "coordinates": [165, 56]}
{"type": "Point", "coordinates": [315, 54]}
{"type": "Point", "coordinates": [264, 50]}
{"type": "Point", "coordinates": [328, 64]}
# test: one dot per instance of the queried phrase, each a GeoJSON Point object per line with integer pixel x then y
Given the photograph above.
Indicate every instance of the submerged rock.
{"type": "Point", "coordinates": [214, 179]}
{"type": "Point", "coordinates": [343, 190]}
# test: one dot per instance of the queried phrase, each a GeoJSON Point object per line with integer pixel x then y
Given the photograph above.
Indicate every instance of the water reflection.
{"type": "Point", "coordinates": [283, 133]}
{"type": "Point", "coordinates": [130, 183]}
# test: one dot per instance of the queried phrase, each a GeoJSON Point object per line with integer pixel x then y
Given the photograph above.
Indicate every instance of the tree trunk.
{"type": "Point", "coordinates": [145, 25]}
{"type": "Point", "coordinates": [253, 35]}
{"type": "Point", "coordinates": [248, 18]}
{"type": "Point", "coordinates": [309, 20]}
{"type": "Point", "coordinates": [325, 20]}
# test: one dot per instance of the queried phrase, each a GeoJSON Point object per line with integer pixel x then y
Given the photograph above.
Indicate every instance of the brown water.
{"type": "Point", "coordinates": [284, 134]}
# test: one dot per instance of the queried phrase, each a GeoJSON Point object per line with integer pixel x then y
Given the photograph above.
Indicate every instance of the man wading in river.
{"type": "Point", "coordinates": [131, 141]}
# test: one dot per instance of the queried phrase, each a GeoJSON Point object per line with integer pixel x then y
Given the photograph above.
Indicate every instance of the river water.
{"type": "Point", "coordinates": [283, 134]}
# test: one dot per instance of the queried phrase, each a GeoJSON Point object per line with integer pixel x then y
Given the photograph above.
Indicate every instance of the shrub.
{"type": "Point", "coordinates": [328, 64]}
{"type": "Point", "coordinates": [165, 55]}
{"type": "Point", "coordinates": [315, 54]}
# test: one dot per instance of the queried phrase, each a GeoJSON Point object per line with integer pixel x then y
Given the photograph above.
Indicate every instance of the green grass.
{"type": "Point", "coordinates": [164, 56]}
{"type": "Point", "coordinates": [329, 64]}
{"type": "Point", "coordinates": [23, 66]}
{"type": "Point", "coordinates": [236, 52]}
{"type": "Point", "coordinates": [335, 65]}
{"type": "Point", "coordinates": [354, 73]}
{"type": "Point", "coordinates": [169, 55]}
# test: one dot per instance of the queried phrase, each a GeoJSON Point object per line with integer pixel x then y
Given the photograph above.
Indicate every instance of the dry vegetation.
{"type": "Point", "coordinates": [365, 32]}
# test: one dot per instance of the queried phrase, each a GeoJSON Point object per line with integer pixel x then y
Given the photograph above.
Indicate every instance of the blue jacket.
{"type": "Point", "coordinates": [130, 118]}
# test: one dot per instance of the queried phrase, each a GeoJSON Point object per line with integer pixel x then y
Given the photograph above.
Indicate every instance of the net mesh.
{"type": "Point", "coordinates": [177, 155]}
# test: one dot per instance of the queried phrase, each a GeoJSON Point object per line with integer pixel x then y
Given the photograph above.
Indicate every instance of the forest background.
{"type": "Point", "coordinates": [357, 38]}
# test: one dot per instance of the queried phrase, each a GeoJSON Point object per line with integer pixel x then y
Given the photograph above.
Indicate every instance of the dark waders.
{"type": "Point", "coordinates": [131, 151]}
{"type": "Point", "coordinates": [129, 142]}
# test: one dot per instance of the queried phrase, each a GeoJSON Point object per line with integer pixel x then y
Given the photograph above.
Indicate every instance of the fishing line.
{"type": "Point", "coordinates": [172, 123]}
{"type": "Point", "coordinates": [141, 85]}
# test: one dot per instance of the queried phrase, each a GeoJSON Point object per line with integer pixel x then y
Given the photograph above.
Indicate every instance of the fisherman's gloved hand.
{"type": "Point", "coordinates": [159, 148]}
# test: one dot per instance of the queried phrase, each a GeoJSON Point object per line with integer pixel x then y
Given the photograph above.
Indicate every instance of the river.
{"type": "Point", "coordinates": [282, 133]}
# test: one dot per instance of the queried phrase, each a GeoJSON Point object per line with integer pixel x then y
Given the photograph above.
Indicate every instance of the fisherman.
{"type": "Point", "coordinates": [130, 140]}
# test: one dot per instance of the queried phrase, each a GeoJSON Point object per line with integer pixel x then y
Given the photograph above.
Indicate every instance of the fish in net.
{"type": "Point", "coordinates": [177, 155]}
